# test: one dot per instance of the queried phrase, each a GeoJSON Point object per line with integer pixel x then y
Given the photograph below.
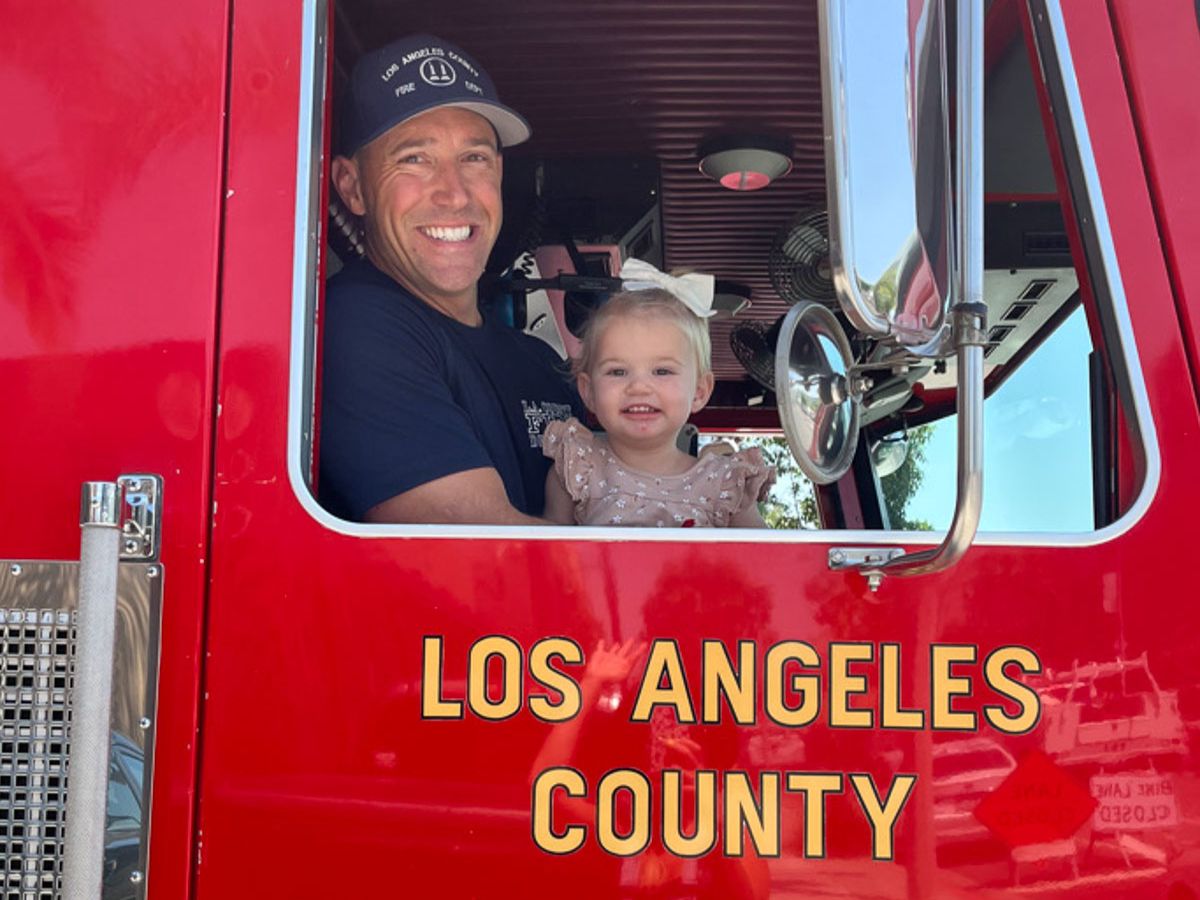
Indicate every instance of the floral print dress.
{"type": "Point", "coordinates": [608, 492]}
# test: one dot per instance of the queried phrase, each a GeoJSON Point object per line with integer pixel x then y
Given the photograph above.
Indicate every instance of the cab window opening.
{"type": "Point", "coordinates": [596, 184]}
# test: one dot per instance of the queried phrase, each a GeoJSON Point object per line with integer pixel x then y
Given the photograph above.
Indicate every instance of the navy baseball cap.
{"type": "Point", "coordinates": [414, 75]}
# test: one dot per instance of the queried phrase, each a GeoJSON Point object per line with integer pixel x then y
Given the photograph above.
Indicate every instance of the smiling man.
{"type": "Point", "coordinates": [430, 413]}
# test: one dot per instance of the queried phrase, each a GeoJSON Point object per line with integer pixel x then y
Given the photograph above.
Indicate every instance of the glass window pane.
{"type": "Point", "coordinates": [1037, 446]}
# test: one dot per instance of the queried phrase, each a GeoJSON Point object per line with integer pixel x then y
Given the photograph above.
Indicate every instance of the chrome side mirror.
{"type": "Point", "coordinates": [888, 167]}
{"type": "Point", "coordinates": [907, 268]}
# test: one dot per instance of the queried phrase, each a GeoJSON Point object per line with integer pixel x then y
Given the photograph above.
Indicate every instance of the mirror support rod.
{"type": "Point", "coordinates": [968, 315]}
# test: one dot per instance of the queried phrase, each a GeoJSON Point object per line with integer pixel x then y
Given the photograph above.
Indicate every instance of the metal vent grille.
{"type": "Point", "coordinates": [37, 668]}
{"type": "Point", "coordinates": [38, 633]}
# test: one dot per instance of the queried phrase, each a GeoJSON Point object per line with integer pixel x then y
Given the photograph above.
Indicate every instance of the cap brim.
{"type": "Point", "coordinates": [510, 126]}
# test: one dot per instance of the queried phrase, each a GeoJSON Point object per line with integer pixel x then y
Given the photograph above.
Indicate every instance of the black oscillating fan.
{"type": "Point", "coordinates": [753, 343]}
{"type": "Point", "coordinates": [798, 263]}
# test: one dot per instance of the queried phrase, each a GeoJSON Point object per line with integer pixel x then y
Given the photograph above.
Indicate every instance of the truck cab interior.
{"type": "Point", "coordinates": [692, 136]}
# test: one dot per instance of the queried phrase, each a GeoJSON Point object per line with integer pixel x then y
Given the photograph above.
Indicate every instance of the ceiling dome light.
{"type": "Point", "coordinates": [745, 162]}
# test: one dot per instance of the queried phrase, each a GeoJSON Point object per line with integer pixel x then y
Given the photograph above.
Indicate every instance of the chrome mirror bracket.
{"type": "Point", "coordinates": [865, 560]}
{"type": "Point", "coordinates": [969, 327]}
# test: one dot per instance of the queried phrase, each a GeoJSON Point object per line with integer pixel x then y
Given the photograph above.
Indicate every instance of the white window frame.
{"type": "Point", "coordinates": [309, 234]}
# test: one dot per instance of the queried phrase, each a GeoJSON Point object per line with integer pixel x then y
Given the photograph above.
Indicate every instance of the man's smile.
{"type": "Point", "coordinates": [447, 234]}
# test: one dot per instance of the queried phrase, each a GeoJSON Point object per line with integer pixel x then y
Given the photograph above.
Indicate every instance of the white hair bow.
{"type": "Point", "coordinates": [694, 290]}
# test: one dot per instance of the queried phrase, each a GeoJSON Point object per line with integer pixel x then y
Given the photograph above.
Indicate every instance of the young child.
{"type": "Point", "coordinates": [643, 369]}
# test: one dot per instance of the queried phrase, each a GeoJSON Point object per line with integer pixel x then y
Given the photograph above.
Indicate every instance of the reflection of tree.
{"type": "Point", "coordinates": [688, 597]}
{"type": "Point", "coordinates": [59, 183]}
{"type": "Point", "coordinates": [792, 504]}
{"type": "Point", "coordinates": [900, 487]}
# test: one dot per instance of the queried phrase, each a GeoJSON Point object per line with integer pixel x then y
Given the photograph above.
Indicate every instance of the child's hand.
{"type": "Point", "coordinates": [611, 664]}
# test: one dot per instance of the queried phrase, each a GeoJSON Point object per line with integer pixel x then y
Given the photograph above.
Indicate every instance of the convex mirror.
{"type": "Point", "coordinates": [817, 393]}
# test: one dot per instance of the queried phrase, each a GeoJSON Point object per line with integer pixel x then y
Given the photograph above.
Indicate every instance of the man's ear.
{"type": "Point", "coordinates": [584, 382]}
{"type": "Point", "coordinates": [704, 389]}
{"type": "Point", "coordinates": [346, 178]}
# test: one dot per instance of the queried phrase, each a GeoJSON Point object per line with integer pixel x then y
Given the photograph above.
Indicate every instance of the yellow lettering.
{"type": "Point", "coordinates": [947, 686]}
{"type": "Point", "coordinates": [638, 787]}
{"type": "Point", "coordinates": [540, 669]}
{"type": "Point", "coordinates": [891, 715]}
{"type": "Point", "coordinates": [842, 684]}
{"type": "Point", "coordinates": [508, 653]}
{"type": "Point", "coordinates": [1020, 694]}
{"type": "Point", "coordinates": [705, 836]}
{"type": "Point", "coordinates": [737, 686]}
{"type": "Point", "coordinates": [775, 667]}
{"type": "Point", "coordinates": [432, 704]}
{"type": "Point", "coordinates": [743, 814]}
{"type": "Point", "coordinates": [570, 838]}
{"type": "Point", "coordinates": [814, 786]}
{"type": "Point", "coordinates": [882, 816]}
{"type": "Point", "coordinates": [664, 662]}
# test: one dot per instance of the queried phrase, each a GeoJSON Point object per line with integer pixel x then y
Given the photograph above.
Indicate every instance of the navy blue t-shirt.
{"type": "Point", "coordinates": [410, 395]}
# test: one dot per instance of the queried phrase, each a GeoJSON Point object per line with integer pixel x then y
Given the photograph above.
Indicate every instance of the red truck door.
{"type": "Point", "coordinates": [379, 701]}
{"type": "Point", "coordinates": [111, 172]}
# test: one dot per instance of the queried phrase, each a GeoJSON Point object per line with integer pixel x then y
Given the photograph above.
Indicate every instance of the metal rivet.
{"type": "Point", "coordinates": [837, 556]}
{"type": "Point", "coordinates": [15, 569]}
{"type": "Point", "coordinates": [135, 877]}
{"type": "Point", "coordinates": [134, 486]}
{"type": "Point", "coordinates": [144, 723]}
{"type": "Point", "coordinates": [152, 572]}
{"type": "Point", "coordinates": [131, 546]}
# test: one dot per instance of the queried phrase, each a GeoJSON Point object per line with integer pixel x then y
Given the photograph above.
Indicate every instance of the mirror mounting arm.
{"type": "Point", "coordinates": [969, 502]}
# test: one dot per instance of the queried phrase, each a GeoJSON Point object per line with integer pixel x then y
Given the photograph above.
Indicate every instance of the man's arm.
{"type": "Point", "coordinates": [470, 497]}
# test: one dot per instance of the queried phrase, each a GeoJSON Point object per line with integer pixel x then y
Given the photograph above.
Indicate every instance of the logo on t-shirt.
{"type": "Point", "coordinates": [539, 415]}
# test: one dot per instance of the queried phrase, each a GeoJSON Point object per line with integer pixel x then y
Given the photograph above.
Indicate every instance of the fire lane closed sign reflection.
{"type": "Point", "coordinates": [1037, 803]}
{"type": "Point", "coordinates": [1134, 802]}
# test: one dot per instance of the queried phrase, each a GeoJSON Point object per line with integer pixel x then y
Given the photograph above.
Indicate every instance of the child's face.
{"type": "Point", "coordinates": [645, 382]}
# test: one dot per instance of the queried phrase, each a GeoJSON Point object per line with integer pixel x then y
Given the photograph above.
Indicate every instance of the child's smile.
{"type": "Point", "coordinates": [643, 387]}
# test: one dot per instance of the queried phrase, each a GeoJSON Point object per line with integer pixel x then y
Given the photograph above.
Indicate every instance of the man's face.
{"type": "Point", "coordinates": [429, 192]}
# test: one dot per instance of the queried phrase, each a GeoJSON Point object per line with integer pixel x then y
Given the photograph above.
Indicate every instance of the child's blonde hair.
{"type": "Point", "coordinates": [650, 303]}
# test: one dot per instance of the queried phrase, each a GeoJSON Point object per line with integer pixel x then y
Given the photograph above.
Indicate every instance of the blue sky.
{"type": "Point", "coordinates": [1037, 445]}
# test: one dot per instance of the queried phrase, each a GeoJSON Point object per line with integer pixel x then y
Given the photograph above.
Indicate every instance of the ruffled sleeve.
{"type": "Point", "coordinates": [747, 480]}
{"type": "Point", "coordinates": [572, 447]}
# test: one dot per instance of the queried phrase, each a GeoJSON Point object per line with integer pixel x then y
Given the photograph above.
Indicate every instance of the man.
{"type": "Point", "coordinates": [429, 412]}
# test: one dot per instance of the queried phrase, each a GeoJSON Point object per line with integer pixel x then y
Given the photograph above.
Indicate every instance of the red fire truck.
{"type": "Point", "coordinates": [303, 706]}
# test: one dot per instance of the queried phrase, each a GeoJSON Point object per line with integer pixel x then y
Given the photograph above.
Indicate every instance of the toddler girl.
{"type": "Point", "coordinates": [643, 369]}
